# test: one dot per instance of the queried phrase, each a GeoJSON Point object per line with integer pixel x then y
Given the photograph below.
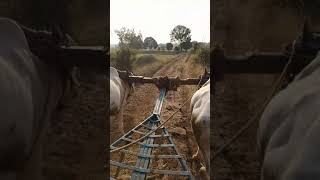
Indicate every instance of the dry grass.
{"type": "Point", "coordinates": [150, 68]}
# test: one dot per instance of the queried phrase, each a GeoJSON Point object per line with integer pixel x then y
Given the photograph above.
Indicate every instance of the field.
{"type": "Point", "coordinates": [141, 103]}
{"type": "Point", "coordinates": [76, 140]}
{"type": "Point", "coordinates": [237, 99]}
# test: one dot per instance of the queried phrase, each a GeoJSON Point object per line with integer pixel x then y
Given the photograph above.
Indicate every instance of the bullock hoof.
{"type": "Point", "coordinates": [203, 173]}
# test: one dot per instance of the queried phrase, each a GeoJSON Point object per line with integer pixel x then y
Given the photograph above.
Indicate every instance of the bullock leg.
{"type": "Point", "coordinates": [202, 137]}
{"type": "Point", "coordinates": [113, 130]}
{"type": "Point", "coordinates": [196, 156]}
{"type": "Point", "coordinates": [116, 126]}
{"type": "Point", "coordinates": [121, 127]}
{"type": "Point", "coordinates": [205, 149]}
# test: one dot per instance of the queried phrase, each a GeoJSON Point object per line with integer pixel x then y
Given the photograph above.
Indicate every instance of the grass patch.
{"type": "Point", "coordinates": [141, 63]}
{"type": "Point", "coordinates": [148, 69]}
{"type": "Point", "coordinates": [145, 60]}
{"type": "Point", "coordinates": [158, 52]}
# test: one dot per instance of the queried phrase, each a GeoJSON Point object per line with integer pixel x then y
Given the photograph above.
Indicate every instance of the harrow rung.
{"type": "Point", "coordinates": [146, 147]}
{"type": "Point", "coordinates": [144, 170]}
{"type": "Point", "coordinates": [145, 126]}
{"type": "Point", "coordinates": [157, 145]}
{"type": "Point", "coordinates": [127, 139]}
{"type": "Point", "coordinates": [151, 136]}
{"type": "Point", "coordinates": [139, 132]}
{"type": "Point", "coordinates": [159, 136]}
{"type": "Point", "coordinates": [149, 145]}
{"type": "Point", "coordinates": [152, 156]}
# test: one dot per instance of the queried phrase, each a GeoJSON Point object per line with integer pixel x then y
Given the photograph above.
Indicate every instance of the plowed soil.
{"type": "Point", "coordinates": [236, 100]}
{"type": "Point", "coordinates": [141, 103]}
{"type": "Point", "coordinates": [76, 140]}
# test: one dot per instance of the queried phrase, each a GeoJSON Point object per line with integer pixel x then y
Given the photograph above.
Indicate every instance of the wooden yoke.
{"type": "Point", "coordinates": [170, 83]}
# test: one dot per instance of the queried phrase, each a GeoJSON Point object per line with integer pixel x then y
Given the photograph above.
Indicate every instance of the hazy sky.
{"type": "Point", "coordinates": [156, 18]}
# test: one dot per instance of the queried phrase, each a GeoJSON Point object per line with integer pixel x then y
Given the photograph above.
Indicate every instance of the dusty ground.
{"type": "Point", "coordinates": [141, 103]}
{"type": "Point", "coordinates": [235, 102]}
{"type": "Point", "coordinates": [76, 139]}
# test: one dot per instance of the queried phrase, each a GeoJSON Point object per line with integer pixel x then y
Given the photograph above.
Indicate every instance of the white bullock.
{"type": "Point", "coordinates": [119, 92]}
{"type": "Point", "coordinates": [289, 129]}
{"type": "Point", "coordinates": [200, 119]}
{"type": "Point", "coordinates": [33, 86]}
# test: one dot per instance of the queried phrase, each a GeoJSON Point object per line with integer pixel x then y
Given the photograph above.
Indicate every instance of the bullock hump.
{"type": "Point", "coordinates": [113, 72]}
{"type": "Point", "coordinates": [11, 35]}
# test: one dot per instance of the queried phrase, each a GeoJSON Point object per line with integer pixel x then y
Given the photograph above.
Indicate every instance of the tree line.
{"type": "Point", "coordinates": [180, 35]}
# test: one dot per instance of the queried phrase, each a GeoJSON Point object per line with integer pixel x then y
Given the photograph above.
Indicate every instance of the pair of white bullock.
{"type": "Point", "coordinates": [200, 108]}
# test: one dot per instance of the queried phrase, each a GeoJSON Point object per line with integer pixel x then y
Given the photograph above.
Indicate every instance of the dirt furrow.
{"type": "Point", "coordinates": [141, 104]}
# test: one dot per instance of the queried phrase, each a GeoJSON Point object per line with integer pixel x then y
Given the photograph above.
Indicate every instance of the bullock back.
{"type": "Point", "coordinates": [289, 129]}
{"type": "Point", "coordinates": [31, 90]}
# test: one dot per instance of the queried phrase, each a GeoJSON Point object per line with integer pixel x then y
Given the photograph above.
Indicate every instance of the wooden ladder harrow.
{"type": "Point", "coordinates": [149, 149]}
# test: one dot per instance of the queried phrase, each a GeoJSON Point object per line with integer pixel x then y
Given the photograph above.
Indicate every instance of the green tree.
{"type": "Point", "coordinates": [123, 58]}
{"type": "Point", "coordinates": [203, 55]}
{"type": "Point", "coordinates": [169, 46]}
{"type": "Point", "coordinates": [181, 35]}
{"type": "Point", "coordinates": [150, 42]}
{"type": "Point", "coordinates": [129, 39]}
{"type": "Point", "coordinates": [186, 45]}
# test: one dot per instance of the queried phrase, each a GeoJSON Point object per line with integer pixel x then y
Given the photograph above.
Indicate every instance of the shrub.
{"type": "Point", "coordinates": [145, 59]}
{"type": "Point", "coordinates": [123, 59]}
{"type": "Point", "coordinates": [203, 55]}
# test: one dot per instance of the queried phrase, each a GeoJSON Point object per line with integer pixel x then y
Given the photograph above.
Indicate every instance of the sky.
{"type": "Point", "coordinates": [156, 18]}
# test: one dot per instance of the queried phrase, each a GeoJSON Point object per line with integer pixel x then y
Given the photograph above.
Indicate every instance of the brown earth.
{"type": "Point", "coordinates": [76, 140]}
{"type": "Point", "coordinates": [236, 100]}
{"type": "Point", "coordinates": [141, 103]}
